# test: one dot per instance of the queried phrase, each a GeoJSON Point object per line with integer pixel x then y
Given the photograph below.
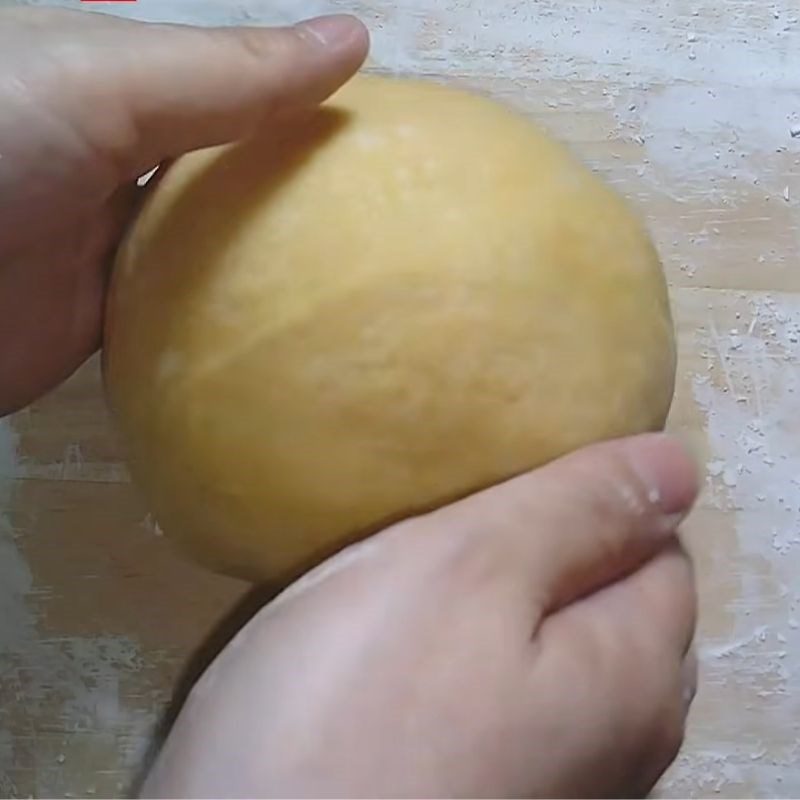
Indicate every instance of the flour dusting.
{"type": "Point", "coordinates": [749, 392]}
{"type": "Point", "coordinates": [72, 681]}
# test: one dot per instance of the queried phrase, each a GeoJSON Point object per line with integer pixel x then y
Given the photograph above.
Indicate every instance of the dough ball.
{"type": "Point", "coordinates": [413, 295]}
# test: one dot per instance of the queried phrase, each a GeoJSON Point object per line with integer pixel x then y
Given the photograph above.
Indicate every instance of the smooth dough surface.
{"type": "Point", "coordinates": [414, 295]}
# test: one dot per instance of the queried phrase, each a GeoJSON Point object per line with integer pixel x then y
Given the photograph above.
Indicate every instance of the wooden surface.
{"type": "Point", "coordinates": [687, 108]}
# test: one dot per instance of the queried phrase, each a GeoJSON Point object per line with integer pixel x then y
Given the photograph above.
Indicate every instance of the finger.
{"type": "Point", "coordinates": [654, 761]}
{"type": "Point", "coordinates": [583, 521]}
{"type": "Point", "coordinates": [177, 88]}
{"type": "Point", "coordinates": [653, 610]}
{"type": "Point", "coordinates": [634, 637]}
{"type": "Point", "coordinates": [163, 90]}
{"type": "Point", "coordinates": [217, 85]}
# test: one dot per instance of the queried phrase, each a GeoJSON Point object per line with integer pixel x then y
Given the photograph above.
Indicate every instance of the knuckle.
{"type": "Point", "coordinates": [667, 686]}
{"type": "Point", "coordinates": [472, 560]}
{"type": "Point", "coordinates": [663, 723]}
{"type": "Point", "coordinates": [673, 732]}
{"type": "Point", "coordinates": [672, 597]}
{"type": "Point", "coordinates": [254, 44]}
{"type": "Point", "coordinates": [274, 44]}
{"type": "Point", "coordinates": [463, 553]}
{"type": "Point", "coordinates": [669, 734]}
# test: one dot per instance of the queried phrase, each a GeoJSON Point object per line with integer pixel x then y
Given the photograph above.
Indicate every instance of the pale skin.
{"type": "Point", "coordinates": [531, 640]}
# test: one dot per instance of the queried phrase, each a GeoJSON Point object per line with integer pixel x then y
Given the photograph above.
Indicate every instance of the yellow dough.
{"type": "Point", "coordinates": [411, 296]}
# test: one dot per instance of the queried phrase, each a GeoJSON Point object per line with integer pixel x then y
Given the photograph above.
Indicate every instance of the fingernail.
{"type": "Point", "coordinates": [668, 474]}
{"type": "Point", "coordinates": [330, 30]}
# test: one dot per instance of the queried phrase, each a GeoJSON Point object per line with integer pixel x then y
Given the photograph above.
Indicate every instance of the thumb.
{"type": "Point", "coordinates": [573, 526]}
{"type": "Point", "coordinates": [183, 88]}
{"type": "Point", "coordinates": [93, 101]}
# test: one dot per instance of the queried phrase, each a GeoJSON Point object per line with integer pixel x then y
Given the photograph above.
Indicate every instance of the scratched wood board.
{"type": "Point", "coordinates": [688, 109]}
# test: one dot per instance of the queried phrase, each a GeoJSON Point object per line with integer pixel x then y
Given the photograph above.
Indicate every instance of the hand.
{"type": "Point", "coordinates": [531, 640]}
{"type": "Point", "coordinates": [89, 103]}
